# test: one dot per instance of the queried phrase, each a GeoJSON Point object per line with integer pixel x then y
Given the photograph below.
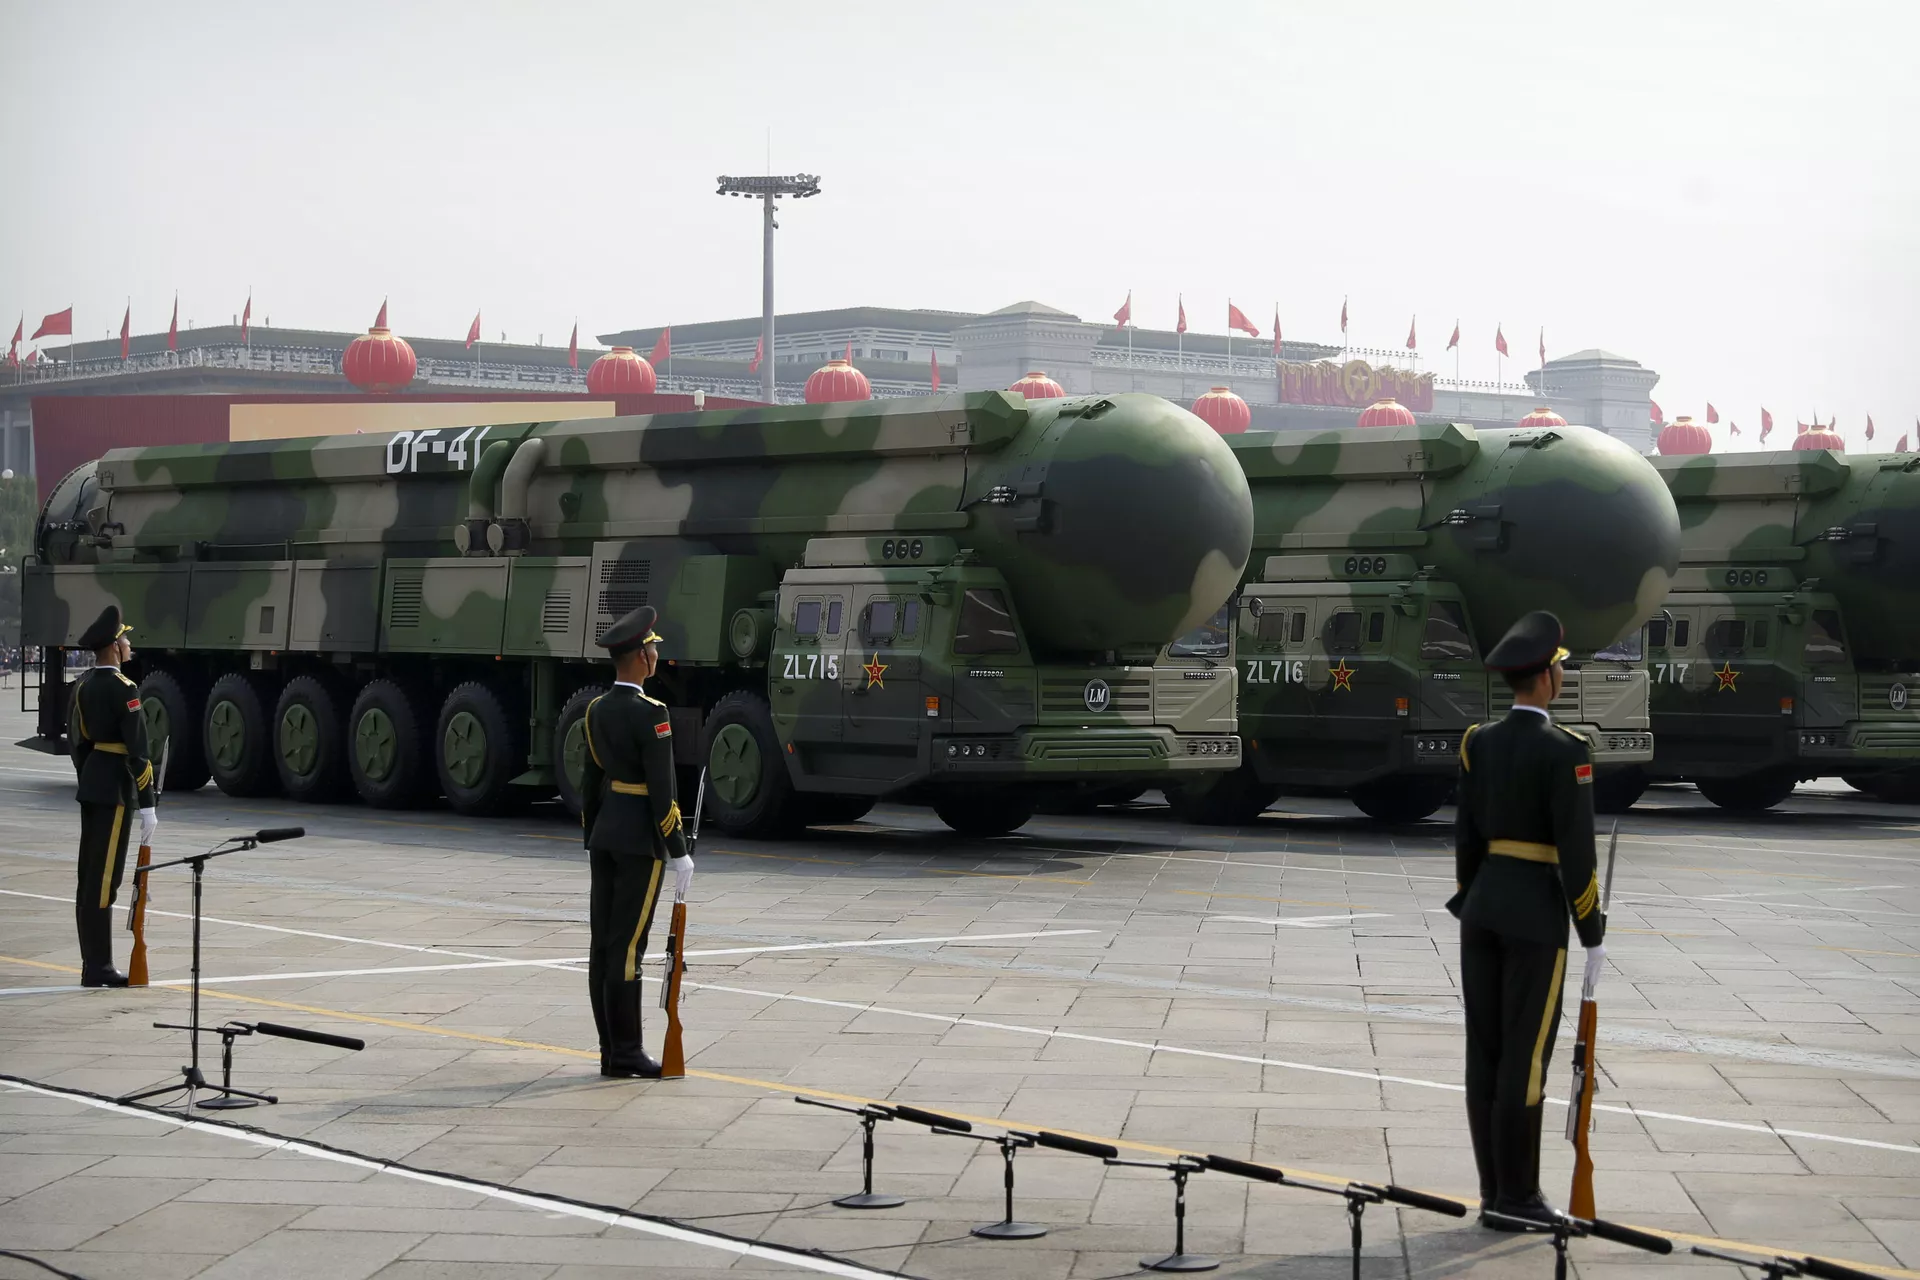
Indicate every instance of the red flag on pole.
{"type": "Point", "coordinates": [573, 347]}
{"type": "Point", "coordinates": [1733, 428]}
{"type": "Point", "coordinates": [933, 358]}
{"type": "Point", "coordinates": [1237, 319]}
{"type": "Point", "coordinates": [380, 321]}
{"type": "Point", "coordinates": [58, 324]}
{"type": "Point", "coordinates": [19, 334]}
{"type": "Point", "coordinates": [246, 318]}
{"type": "Point", "coordinates": [1276, 331]}
{"type": "Point", "coordinates": [1499, 340]}
{"type": "Point", "coordinates": [473, 330]}
{"type": "Point", "coordinates": [848, 357]}
{"type": "Point", "coordinates": [661, 346]}
{"type": "Point", "coordinates": [1869, 426]}
{"type": "Point", "coordinates": [759, 353]}
{"type": "Point", "coordinates": [1454, 341]}
{"type": "Point", "coordinates": [1181, 325]}
{"type": "Point", "coordinates": [1412, 342]}
{"type": "Point", "coordinates": [126, 330]}
{"type": "Point", "coordinates": [173, 326]}
{"type": "Point", "coordinates": [1653, 412]}
{"type": "Point", "coordinates": [1343, 315]}
{"type": "Point", "coordinates": [1713, 414]}
{"type": "Point", "coordinates": [1766, 425]}
{"type": "Point", "coordinates": [33, 356]}
{"type": "Point", "coordinates": [1124, 316]}
{"type": "Point", "coordinates": [1902, 446]}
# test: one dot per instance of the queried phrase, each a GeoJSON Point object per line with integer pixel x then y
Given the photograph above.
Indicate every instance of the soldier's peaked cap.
{"type": "Point", "coordinates": [1532, 644]}
{"type": "Point", "coordinates": [630, 632]}
{"type": "Point", "coordinates": [105, 629]}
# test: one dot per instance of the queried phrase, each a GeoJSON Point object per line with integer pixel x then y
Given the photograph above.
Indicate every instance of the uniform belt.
{"type": "Point", "coordinates": [1526, 850]}
{"type": "Point", "coordinates": [112, 748]}
{"type": "Point", "coordinates": [629, 788]}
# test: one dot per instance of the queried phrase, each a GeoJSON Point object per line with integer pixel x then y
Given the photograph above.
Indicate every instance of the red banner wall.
{"type": "Point", "coordinates": [1355, 384]}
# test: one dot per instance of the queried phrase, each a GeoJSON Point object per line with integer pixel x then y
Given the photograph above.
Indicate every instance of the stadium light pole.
{"type": "Point", "coordinates": [769, 188]}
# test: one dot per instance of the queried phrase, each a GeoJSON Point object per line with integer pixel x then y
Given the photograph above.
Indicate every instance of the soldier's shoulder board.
{"type": "Point", "coordinates": [121, 676]}
{"type": "Point", "coordinates": [1583, 773]}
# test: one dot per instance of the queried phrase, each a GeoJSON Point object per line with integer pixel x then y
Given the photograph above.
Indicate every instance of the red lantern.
{"type": "Point", "coordinates": [1543, 417]}
{"type": "Point", "coordinates": [835, 381]}
{"type": "Point", "coordinates": [1820, 438]}
{"type": "Point", "coordinates": [1224, 411]}
{"type": "Point", "coordinates": [1684, 436]}
{"type": "Point", "coordinates": [1386, 413]}
{"type": "Point", "coordinates": [379, 360]}
{"type": "Point", "coordinates": [1038, 386]}
{"type": "Point", "coordinates": [620, 372]}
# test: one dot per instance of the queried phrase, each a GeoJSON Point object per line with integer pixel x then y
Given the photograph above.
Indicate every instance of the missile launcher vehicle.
{"type": "Point", "coordinates": [1789, 648]}
{"type": "Point", "coordinates": [1386, 563]}
{"type": "Point", "coordinates": [960, 600]}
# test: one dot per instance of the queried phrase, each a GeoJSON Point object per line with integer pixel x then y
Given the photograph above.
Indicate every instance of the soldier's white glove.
{"type": "Point", "coordinates": [1596, 961]}
{"type": "Point", "coordinates": [149, 823]}
{"type": "Point", "coordinates": [682, 869]}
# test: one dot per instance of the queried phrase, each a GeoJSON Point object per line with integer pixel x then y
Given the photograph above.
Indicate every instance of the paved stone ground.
{"type": "Point", "coordinates": [1285, 993]}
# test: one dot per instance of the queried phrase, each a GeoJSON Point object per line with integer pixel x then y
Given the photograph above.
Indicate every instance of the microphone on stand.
{"type": "Point", "coordinates": [272, 834]}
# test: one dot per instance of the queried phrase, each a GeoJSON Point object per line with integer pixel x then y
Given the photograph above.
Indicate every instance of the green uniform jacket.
{"type": "Point", "coordinates": [107, 735]}
{"type": "Point", "coordinates": [628, 783]}
{"type": "Point", "coordinates": [1527, 782]}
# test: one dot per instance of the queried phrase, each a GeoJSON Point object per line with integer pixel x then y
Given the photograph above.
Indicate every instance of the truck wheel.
{"type": "Point", "coordinates": [833, 811]}
{"type": "Point", "coordinates": [748, 791]}
{"type": "Point", "coordinates": [1748, 794]}
{"type": "Point", "coordinates": [1898, 786]}
{"type": "Point", "coordinates": [1618, 790]}
{"type": "Point", "coordinates": [174, 710]}
{"type": "Point", "coordinates": [1858, 781]}
{"type": "Point", "coordinates": [387, 749]}
{"type": "Point", "coordinates": [1402, 797]}
{"type": "Point", "coordinates": [239, 736]}
{"type": "Point", "coordinates": [478, 749]}
{"type": "Point", "coordinates": [983, 813]}
{"type": "Point", "coordinates": [310, 740]}
{"type": "Point", "coordinates": [570, 747]}
{"type": "Point", "coordinates": [1224, 800]}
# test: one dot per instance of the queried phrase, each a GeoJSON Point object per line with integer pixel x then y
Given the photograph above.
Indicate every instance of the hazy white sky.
{"type": "Point", "coordinates": [1727, 192]}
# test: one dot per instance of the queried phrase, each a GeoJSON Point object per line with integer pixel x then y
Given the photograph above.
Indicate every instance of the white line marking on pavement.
{"type": "Point", "coordinates": [1785, 891]}
{"type": "Point", "coordinates": [274, 1142]}
{"type": "Point", "coordinates": [960, 1020]}
{"type": "Point", "coordinates": [1307, 922]}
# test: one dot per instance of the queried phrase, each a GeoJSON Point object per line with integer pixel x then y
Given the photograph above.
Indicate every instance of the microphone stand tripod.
{"type": "Point", "coordinates": [192, 1081]}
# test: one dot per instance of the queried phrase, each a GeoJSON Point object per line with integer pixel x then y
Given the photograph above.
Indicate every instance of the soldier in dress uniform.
{"type": "Point", "coordinates": [1524, 860]}
{"type": "Point", "coordinates": [631, 821]}
{"type": "Point", "coordinates": [107, 735]}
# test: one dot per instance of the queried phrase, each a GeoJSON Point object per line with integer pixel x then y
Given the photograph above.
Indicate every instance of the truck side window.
{"type": "Point", "coordinates": [1446, 635]}
{"type": "Point", "coordinates": [834, 608]}
{"type": "Point", "coordinates": [1760, 637]}
{"type": "Point", "coordinates": [1728, 635]}
{"type": "Point", "coordinates": [985, 625]}
{"type": "Point", "coordinates": [1680, 629]}
{"type": "Point", "coordinates": [1343, 632]}
{"type": "Point", "coordinates": [1376, 627]}
{"type": "Point", "coordinates": [1274, 623]}
{"type": "Point", "coordinates": [806, 618]}
{"type": "Point", "coordinates": [1299, 632]}
{"type": "Point", "coordinates": [879, 624]}
{"type": "Point", "coordinates": [1823, 637]}
{"type": "Point", "coordinates": [1656, 633]}
{"type": "Point", "coordinates": [910, 618]}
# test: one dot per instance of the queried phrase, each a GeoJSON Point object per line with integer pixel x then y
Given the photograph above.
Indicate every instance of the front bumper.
{"type": "Point", "coordinates": [1147, 752]}
{"type": "Point", "coordinates": [1858, 741]}
{"type": "Point", "coordinates": [1611, 748]}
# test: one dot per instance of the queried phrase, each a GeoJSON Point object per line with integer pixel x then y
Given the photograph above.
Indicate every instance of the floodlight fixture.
{"type": "Point", "coordinates": [768, 188]}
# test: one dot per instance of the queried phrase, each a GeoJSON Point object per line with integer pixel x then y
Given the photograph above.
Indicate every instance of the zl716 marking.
{"type": "Point", "coordinates": [1276, 671]}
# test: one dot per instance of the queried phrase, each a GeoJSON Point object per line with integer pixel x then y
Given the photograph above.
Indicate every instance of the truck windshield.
{"type": "Point", "coordinates": [985, 625]}
{"type": "Point", "coordinates": [1208, 640]}
{"type": "Point", "coordinates": [1626, 649]}
{"type": "Point", "coordinates": [1824, 642]}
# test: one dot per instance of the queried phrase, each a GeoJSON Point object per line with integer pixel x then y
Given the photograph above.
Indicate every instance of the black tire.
{"type": "Point", "coordinates": [387, 750]}
{"type": "Point", "coordinates": [1858, 781]}
{"type": "Point", "coordinates": [310, 740]}
{"type": "Point", "coordinates": [748, 791]}
{"type": "Point", "coordinates": [1223, 800]}
{"type": "Point", "coordinates": [1898, 786]}
{"type": "Point", "coordinates": [1618, 790]}
{"type": "Point", "coordinates": [479, 748]}
{"type": "Point", "coordinates": [983, 813]}
{"type": "Point", "coordinates": [238, 734]}
{"type": "Point", "coordinates": [1750, 793]}
{"type": "Point", "coordinates": [174, 706]}
{"type": "Point", "coordinates": [1401, 797]}
{"type": "Point", "coordinates": [833, 811]}
{"type": "Point", "coordinates": [569, 748]}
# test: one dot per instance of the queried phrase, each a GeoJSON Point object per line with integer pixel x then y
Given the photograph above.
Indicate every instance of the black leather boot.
{"type": "Point", "coordinates": [96, 948]}
{"type": "Point", "coordinates": [626, 1055]}
{"type": "Point", "coordinates": [1517, 1164]}
{"type": "Point", "coordinates": [597, 997]}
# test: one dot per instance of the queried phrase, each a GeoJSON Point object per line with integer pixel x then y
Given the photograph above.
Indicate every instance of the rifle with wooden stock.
{"type": "Point", "coordinates": [673, 1058]}
{"type": "Point", "coordinates": [137, 910]}
{"type": "Point", "coordinates": [1585, 1073]}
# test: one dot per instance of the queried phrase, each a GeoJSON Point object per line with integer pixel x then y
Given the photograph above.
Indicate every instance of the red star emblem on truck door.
{"type": "Point", "coordinates": [1726, 675]}
{"type": "Point", "coordinates": [1342, 677]}
{"type": "Point", "coordinates": [875, 670]}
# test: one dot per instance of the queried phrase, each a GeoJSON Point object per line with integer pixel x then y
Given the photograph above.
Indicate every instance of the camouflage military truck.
{"type": "Point", "coordinates": [1386, 563]}
{"type": "Point", "coordinates": [1789, 648]}
{"type": "Point", "coordinates": [957, 599]}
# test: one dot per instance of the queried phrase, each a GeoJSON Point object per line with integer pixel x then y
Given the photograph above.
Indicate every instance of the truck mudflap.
{"type": "Point", "coordinates": [1036, 753]}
